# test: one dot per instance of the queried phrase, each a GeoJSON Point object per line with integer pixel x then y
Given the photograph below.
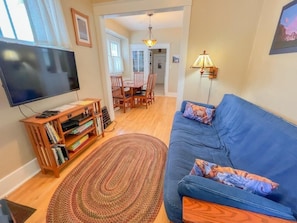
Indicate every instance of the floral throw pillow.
{"type": "Point", "coordinates": [199, 113]}
{"type": "Point", "coordinates": [234, 177]}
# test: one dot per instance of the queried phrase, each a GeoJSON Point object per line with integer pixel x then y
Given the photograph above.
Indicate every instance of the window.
{"type": "Point", "coordinates": [138, 60]}
{"type": "Point", "coordinates": [115, 60]}
{"type": "Point", "coordinates": [41, 22]}
{"type": "Point", "coordinates": [14, 21]}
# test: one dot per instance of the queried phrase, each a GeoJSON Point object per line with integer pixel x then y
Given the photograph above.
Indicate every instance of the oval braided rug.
{"type": "Point", "coordinates": [120, 181]}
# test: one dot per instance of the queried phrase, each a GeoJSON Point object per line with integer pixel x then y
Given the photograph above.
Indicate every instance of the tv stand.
{"type": "Point", "coordinates": [60, 138]}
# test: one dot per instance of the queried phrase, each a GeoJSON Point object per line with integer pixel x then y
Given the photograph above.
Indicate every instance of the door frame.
{"type": "Point", "coordinates": [166, 78]}
{"type": "Point", "coordinates": [101, 10]}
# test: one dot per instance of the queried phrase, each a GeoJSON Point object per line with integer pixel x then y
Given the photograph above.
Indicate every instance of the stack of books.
{"type": "Point", "coordinates": [60, 153]}
{"type": "Point", "coordinates": [75, 145]}
{"type": "Point", "coordinates": [81, 128]}
{"type": "Point", "coordinates": [52, 133]}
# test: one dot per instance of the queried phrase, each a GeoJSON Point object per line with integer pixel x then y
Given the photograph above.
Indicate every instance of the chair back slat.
{"type": "Point", "coordinates": [117, 85]}
{"type": "Point", "coordinates": [149, 83]}
{"type": "Point", "coordinates": [120, 99]}
{"type": "Point", "coordinates": [138, 77]}
{"type": "Point", "coordinates": [153, 87]}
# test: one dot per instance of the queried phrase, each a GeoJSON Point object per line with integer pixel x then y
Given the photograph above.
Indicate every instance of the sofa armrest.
{"type": "Point", "coordinates": [209, 190]}
{"type": "Point", "coordinates": [183, 105]}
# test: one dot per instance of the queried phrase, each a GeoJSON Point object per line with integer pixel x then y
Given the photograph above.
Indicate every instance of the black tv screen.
{"type": "Point", "coordinates": [29, 73]}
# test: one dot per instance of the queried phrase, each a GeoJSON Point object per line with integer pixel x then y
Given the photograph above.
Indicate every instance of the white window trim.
{"type": "Point", "coordinates": [114, 62]}
{"type": "Point", "coordinates": [52, 27]}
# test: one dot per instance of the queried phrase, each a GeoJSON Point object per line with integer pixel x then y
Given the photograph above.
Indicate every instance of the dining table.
{"type": "Point", "coordinates": [133, 86]}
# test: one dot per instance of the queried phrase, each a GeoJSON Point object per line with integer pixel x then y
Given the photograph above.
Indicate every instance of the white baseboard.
{"type": "Point", "coordinates": [18, 177]}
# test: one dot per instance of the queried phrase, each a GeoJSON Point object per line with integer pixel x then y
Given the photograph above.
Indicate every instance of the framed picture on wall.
{"type": "Point", "coordinates": [285, 37]}
{"type": "Point", "coordinates": [81, 28]}
{"type": "Point", "coordinates": [175, 59]}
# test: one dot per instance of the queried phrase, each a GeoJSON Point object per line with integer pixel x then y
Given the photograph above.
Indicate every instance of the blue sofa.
{"type": "Point", "coordinates": [243, 136]}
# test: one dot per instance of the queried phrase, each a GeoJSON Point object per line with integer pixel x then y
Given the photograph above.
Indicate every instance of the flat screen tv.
{"type": "Point", "coordinates": [29, 73]}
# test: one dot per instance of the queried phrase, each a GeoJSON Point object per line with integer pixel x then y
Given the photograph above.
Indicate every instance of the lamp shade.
{"type": "Point", "coordinates": [149, 42]}
{"type": "Point", "coordinates": [203, 61]}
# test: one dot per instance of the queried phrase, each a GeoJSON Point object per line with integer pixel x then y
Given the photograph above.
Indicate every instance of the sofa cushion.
{"type": "Point", "coordinates": [184, 103]}
{"type": "Point", "coordinates": [193, 133]}
{"type": "Point", "coordinates": [233, 177]}
{"type": "Point", "coordinates": [199, 113]}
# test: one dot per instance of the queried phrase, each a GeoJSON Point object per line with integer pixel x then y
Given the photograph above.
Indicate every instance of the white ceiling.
{"type": "Point", "coordinates": [159, 20]}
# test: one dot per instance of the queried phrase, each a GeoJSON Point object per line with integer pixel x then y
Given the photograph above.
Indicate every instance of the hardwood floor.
{"type": "Point", "coordinates": [155, 121]}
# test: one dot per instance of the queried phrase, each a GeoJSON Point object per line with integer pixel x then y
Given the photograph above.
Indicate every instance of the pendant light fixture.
{"type": "Point", "coordinates": [150, 41]}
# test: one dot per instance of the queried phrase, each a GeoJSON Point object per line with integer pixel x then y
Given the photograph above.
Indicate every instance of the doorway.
{"type": "Point", "coordinates": [104, 11]}
{"type": "Point", "coordinates": [154, 60]}
{"type": "Point", "coordinates": [159, 68]}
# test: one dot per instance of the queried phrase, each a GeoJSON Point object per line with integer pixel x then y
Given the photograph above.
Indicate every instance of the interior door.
{"type": "Point", "coordinates": [159, 67]}
{"type": "Point", "coordinates": [139, 60]}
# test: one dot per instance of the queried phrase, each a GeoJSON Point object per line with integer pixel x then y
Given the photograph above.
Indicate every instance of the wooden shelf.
{"type": "Point", "coordinates": [81, 147]}
{"type": "Point", "coordinates": [44, 138]}
{"type": "Point", "coordinates": [74, 138]}
{"type": "Point", "coordinates": [80, 124]}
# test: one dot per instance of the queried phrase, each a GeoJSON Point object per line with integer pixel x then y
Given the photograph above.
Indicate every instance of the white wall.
{"type": "Point", "coordinates": [271, 80]}
{"type": "Point", "coordinates": [88, 63]}
{"type": "Point", "coordinates": [226, 30]}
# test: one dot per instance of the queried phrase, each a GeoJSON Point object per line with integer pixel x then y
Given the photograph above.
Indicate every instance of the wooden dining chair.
{"type": "Point", "coordinates": [152, 91]}
{"type": "Point", "coordinates": [152, 94]}
{"type": "Point", "coordinates": [138, 78]}
{"type": "Point", "coordinates": [144, 97]}
{"type": "Point", "coordinates": [121, 98]}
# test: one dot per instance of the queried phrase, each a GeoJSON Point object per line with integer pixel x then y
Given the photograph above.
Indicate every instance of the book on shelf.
{"type": "Point", "coordinates": [56, 136]}
{"type": "Point", "coordinates": [52, 133]}
{"type": "Point", "coordinates": [60, 153]}
{"type": "Point", "coordinates": [79, 142]}
{"type": "Point", "coordinates": [81, 128]}
{"type": "Point", "coordinates": [98, 125]}
{"type": "Point", "coordinates": [56, 156]}
{"type": "Point", "coordinates": [49, 134]}
{"type": "Point", "coordinates": [64, 151]}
